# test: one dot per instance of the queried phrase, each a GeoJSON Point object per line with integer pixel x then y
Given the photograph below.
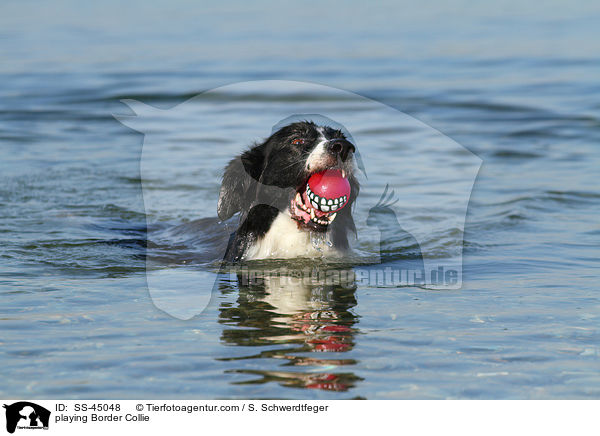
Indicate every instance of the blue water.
{"type": "Point", "coordinates": [516, 84]}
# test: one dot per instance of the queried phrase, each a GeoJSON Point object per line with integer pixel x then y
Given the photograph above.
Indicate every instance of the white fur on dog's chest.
{"type": "Point", "coordinates": [285, 240]}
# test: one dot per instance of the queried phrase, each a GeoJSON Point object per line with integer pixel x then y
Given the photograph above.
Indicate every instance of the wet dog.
{"type": "Point", "coordinates": [279, 215]}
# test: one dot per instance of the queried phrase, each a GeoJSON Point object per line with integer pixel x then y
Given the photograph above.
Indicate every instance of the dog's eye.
{"type": "Point", "coordinates": [298, 141]}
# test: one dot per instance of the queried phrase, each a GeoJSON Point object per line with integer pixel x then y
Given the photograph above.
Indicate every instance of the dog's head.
{"type": "Point", "coordinates": [276, 173]}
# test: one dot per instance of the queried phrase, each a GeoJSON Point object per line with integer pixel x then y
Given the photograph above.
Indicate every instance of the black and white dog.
{"type": "Point", "coordinates": [267, 184]}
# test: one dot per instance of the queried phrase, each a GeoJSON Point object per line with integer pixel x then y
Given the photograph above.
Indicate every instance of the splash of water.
{"type": "Point", "coordinates": [319, 239]}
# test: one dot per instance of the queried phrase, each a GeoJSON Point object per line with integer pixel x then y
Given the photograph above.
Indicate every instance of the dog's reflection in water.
{"type": "Point", "coordinates": [308, 308]}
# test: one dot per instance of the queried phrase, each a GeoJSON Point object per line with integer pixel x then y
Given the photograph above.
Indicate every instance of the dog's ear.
{"type": "Point", "coordinates": [344, 223]}
{"type": "Point", "coordinates": [347, 212]}
{"type": "Point", "coordinates": [240, 180]}
{"type": "Point", "coordinates": [354, 187]}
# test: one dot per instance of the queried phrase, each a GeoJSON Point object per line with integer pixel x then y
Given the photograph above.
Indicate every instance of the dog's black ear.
{"type": "Point", "coordinates": [354, 190]}
{"type": "Point", "coordinates": [344, 223]}
{"type": "Point", "coordinates": [240, 180]}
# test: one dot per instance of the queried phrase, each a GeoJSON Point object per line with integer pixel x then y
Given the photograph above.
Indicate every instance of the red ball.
{"type": "Point", "coordinates": [331, 186]}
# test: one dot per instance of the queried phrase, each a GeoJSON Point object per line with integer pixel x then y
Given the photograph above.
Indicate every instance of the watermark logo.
{"type": "Point", "coordinates": [25, 415]}
{"type": "Point", "coordinates": [410, 214]}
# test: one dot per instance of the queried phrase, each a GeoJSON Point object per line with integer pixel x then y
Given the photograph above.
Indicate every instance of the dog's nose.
{"type": "Point", "coordinates": [341, 147]}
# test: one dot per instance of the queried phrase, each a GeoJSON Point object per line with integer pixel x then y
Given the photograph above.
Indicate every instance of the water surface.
{"type": "Point", "coordinates": [516, 85]}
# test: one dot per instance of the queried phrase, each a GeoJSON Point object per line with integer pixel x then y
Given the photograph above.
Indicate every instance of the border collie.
{"type": "Point", "coordinates": [267, 185]}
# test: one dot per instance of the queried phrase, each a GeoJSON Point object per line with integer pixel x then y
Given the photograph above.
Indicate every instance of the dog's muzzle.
{"type": "Point", "coordinates": [340, 147]}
